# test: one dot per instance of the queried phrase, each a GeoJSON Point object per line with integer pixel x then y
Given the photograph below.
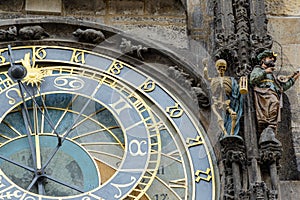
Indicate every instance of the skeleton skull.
{"type": "Point", "coordinates": [221, 66]}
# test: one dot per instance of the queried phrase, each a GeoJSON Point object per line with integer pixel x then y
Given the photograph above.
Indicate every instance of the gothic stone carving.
{"type": "Point", "coordinates": [198, 94]}
{"type": "Point", "coordinates": [32, 33]}
{"type": "Point", "coordinates": [259, 189]}
{"type": "Point", "coordinates": [234, 159]}
{"type": "Point", "coordinates": [127, 47]}
{"type": "Point", "coordinates": [25, 33]}
{"type": "Point", "coordinates": [8, 35]}
{"type": "Point", "coordinates": [89, 36]}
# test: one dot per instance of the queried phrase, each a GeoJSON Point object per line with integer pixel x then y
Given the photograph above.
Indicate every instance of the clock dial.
{"type": "Point", "coordinates": [81, 125]}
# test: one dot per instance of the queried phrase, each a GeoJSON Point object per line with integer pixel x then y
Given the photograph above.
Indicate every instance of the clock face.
{"type": "Point", "coordinates": [81, 125]}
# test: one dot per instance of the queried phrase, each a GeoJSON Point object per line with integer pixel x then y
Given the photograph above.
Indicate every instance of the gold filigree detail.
{"type": "Point", "coordinates": [34, 75]}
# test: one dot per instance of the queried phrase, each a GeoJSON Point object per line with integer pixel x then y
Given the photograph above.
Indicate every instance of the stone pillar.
{"type": "Point", "coordinates": [233, 154]}
{"type": "Point", "coordinates": [270, 154]}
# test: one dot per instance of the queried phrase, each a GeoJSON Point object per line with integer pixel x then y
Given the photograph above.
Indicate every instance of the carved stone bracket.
{"type": "Point", "coordinates": [89, 35]}
{"type": "Point", "coordinates": [270, 147]}
{"type": "Point", "coordinates": [25, 33]}
{"type": "Point", "coordinates": [259, 189]}
{"type": "Point", "coordinates": [233, 149]}
{"type": "Point", "coordinates": [270, 153]}
{"type": "Point", "coordinates": [9, 34]}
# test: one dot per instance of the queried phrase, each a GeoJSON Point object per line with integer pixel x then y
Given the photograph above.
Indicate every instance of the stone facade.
{"type": "Point", "coordinates": [284, 21]}
{"type": "Point", "coordinates": [184, 31]}
{"type": "Point", "coordinates": [283, 7]}
{"type": "Point", "coordinates": [284, 26]}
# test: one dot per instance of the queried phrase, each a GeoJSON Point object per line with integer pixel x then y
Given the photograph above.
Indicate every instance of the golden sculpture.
{"type": "Point", "coordinates": [34, 75]}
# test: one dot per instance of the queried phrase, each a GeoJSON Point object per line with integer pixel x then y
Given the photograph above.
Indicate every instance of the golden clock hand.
{"type": "Point", "coordinates": [47, 115]}
{"type": "Point", "coordinates": [37, 138]}
{"type": "Point", "coordinates": [17, 73]}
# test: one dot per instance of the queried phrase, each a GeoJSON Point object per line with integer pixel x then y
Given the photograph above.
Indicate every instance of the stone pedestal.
{"type": "Point", "coordinates": [270, 154]}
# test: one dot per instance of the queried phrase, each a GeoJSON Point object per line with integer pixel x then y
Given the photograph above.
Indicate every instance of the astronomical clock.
{"type": "Point", "coordinates": [77, 124]}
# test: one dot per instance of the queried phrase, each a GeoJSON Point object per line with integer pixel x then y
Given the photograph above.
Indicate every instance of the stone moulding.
{"type": "Point", "coordinates": [150, 57]}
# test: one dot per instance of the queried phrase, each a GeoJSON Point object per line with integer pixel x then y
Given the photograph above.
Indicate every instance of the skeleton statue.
{"type": "Point", "coordinates": [226, 99]}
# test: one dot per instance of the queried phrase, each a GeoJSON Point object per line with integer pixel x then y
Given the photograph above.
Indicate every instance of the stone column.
{"type": "Point", "coordinates": [270, 154]}
{"type": "Point", "coordinates": [233, 154]}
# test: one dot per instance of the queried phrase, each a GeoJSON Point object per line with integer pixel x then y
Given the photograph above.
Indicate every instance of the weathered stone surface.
{"type": "Point", "coordinates": [169, 34]}
{"type": "Point", "coordinates": [78, 7]}
{"type": "Point", "coordinates": [11, 5]}
{"type": "Point", "coordinates": [283, 7]}
{"type": "Point", "coordinates": [290, 190]}
{"type": "Point", "coordinates": [49, 6]}
{"type": "Point", "coordinates": [286, 32]}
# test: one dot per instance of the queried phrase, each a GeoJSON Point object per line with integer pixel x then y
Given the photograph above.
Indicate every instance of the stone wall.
{"type": "Point", "coordinates": [284, 26]}
{"type": "Point", "coordinates": [158, 20]}
{"type": "Point", "coordinates": [283, 7]}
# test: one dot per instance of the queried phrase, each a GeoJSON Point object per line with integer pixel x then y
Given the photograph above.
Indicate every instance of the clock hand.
{"type": "Point", "coordinates": [17, 73]}
{"type": "Point", "coordinates": [40, 185]}
{"type": "Point", "coordinates": [41, 188]}
{"type": "Point", "coordinates": [37, 139]}
{"type": "Point", "coordinates": [68, 131]}
{"type": "Point", "coordinates": [47, 116]}
{"type": "Point", "coordinates": [63, 183]}
{"type": "Point", "coordinates": [28, 133]}
{"type": "Point", "coordinates": [40, 179]}
{"type": "Point", "coordinates": [17, 164]}
{"type": "Point", "coordinates": [36, 155]}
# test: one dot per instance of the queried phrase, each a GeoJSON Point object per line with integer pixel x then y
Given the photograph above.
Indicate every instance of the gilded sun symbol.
{"type": "Point", "coordinates": [34, 75]}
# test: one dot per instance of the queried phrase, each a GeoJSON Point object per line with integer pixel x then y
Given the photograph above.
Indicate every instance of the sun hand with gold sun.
{"type": "Point", "coordinates": [34, 75]}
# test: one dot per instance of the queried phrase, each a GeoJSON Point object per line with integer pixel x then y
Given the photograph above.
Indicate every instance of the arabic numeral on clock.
{"type": "Point", "coordinates": [148, 86]}
{"type": "Point", "coordinates": [40, 53]}
{"type": "Point", "coordinates": [161, 196]}
{"type": "Point", "coordinates": [116, 68]}
{"type": "Point", "coordinates": [191, 142]}
{"type": "Point", "coordinates": [203, 175]}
